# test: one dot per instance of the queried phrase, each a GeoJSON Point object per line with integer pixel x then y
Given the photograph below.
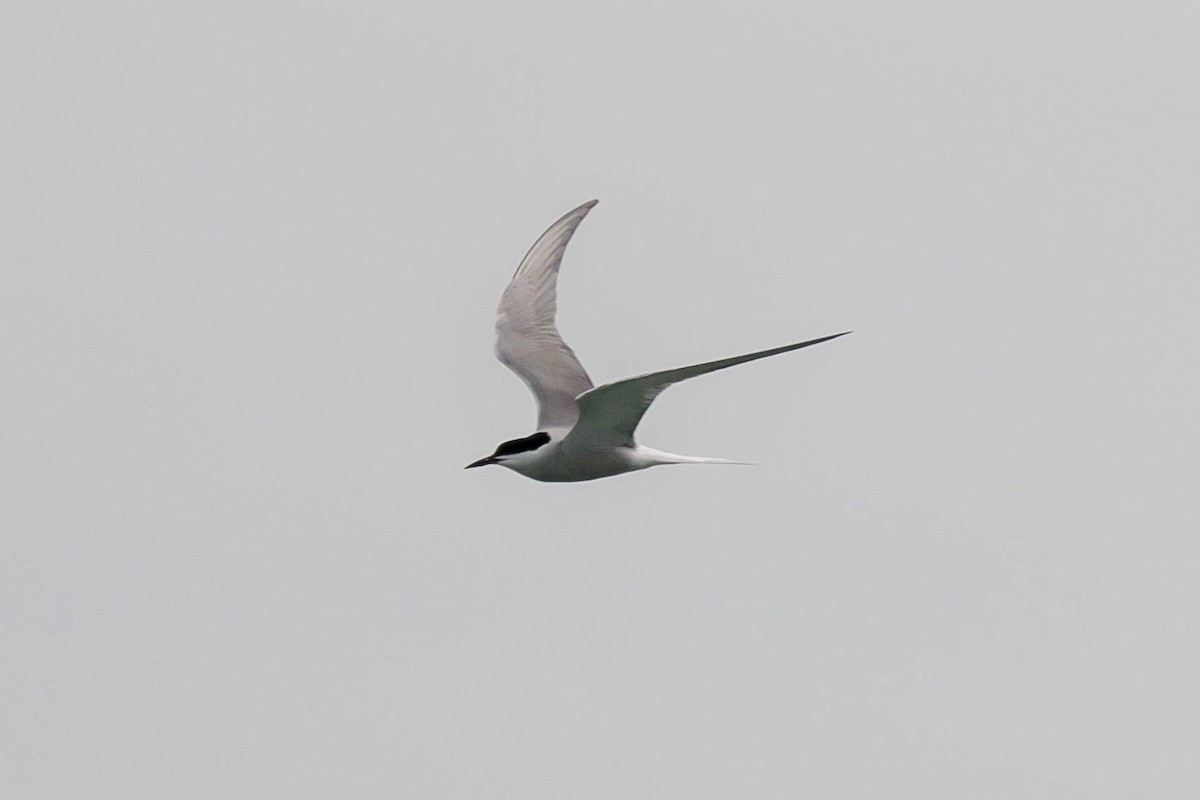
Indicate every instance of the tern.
{"type": "Point", "coordinates": [584, 432]}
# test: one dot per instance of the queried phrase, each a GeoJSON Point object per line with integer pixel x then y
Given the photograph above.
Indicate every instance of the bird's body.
{"type": "Point", "coordinates": [558, 462]}
{"type": "Point", "coordinates": [584, 432]}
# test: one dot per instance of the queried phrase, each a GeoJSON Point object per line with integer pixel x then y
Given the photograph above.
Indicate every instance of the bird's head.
{"type": "Point", "coordinates": [514, 450]}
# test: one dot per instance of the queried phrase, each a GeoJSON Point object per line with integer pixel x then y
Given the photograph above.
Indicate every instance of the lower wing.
{"type": "Point", "coordinates": [609, 414]}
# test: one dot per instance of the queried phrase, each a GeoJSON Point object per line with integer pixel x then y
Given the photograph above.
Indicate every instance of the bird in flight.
{"type": "Point", "coordinates": [584, 431]}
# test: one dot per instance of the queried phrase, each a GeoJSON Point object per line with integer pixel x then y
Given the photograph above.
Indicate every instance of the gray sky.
{"type": "Point", "coordinates": [250, 257]}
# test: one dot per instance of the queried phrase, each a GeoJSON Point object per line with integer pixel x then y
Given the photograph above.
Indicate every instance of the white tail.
{"type": "Point", "coordinates": [659, 457]}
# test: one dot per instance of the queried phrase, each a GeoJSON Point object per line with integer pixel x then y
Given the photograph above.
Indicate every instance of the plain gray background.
{"type": "Point", "coordinates": [251, 255]}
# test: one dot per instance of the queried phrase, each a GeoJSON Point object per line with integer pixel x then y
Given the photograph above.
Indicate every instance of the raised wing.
{"type": "Point", "coordinates": [527, 342]}
{"type": "Point", "coordinates": [609, 414]}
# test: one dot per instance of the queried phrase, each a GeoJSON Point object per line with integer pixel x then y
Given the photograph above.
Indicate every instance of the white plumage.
{"type": "Point", "coordinates": [583, 432]}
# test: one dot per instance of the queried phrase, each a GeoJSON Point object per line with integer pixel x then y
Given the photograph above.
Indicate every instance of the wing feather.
{"type": "Point", "coordinates": [609, 414]}
{"type": "Point", "coordinates": [527, 340]}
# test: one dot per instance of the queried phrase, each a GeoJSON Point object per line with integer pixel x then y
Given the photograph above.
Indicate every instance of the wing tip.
{"type": "Point", "coordinates": [828, 338]}
{"type": "Point", "coordinates": [572, 218]}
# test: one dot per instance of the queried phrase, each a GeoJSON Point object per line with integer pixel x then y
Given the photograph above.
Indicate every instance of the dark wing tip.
{"type": "Point", "coordinates": [829, 338]}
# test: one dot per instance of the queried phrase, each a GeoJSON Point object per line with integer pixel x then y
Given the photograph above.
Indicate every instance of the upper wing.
{"type": "Point", "coordinates": [527, 342]}
{"type": "Point", "coordinates": [609, 414]}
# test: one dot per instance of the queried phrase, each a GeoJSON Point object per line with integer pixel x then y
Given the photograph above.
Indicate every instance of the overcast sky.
{"type": "Point", "coordinates": [250, 256]}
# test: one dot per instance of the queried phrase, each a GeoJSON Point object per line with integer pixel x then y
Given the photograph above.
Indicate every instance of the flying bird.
{"type": "Point", "coordinates": [584, 431]}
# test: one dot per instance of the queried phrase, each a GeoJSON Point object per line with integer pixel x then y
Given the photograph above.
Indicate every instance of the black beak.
{"type": "Point", "coordinates": [483, 462]}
